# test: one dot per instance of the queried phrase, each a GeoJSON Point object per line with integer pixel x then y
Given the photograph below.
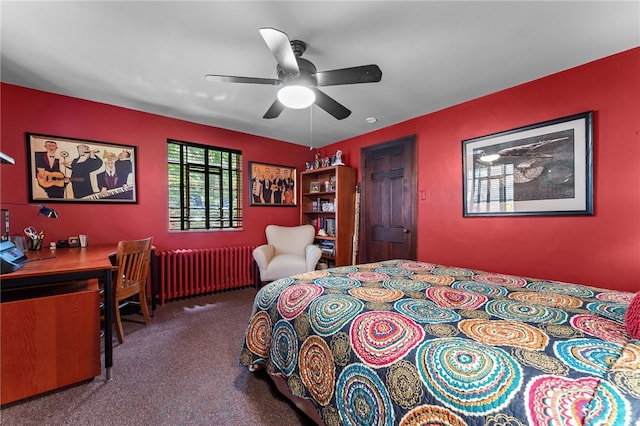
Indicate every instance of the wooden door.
{"type": "Point", "coordinates": [388, 205]}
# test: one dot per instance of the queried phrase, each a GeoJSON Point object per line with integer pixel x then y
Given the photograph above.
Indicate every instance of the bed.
{"type": "Point", "coordinates": [414, 343]}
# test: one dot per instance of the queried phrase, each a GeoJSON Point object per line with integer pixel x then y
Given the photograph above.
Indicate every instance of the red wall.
{"type": "Point", "coordinates": [25, 110]}
{"type": "Point", "coordinates": [601, 250]}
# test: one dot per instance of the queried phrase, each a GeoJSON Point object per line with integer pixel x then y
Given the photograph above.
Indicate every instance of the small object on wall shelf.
{"type": "Point", "coordinates": [330, 210]}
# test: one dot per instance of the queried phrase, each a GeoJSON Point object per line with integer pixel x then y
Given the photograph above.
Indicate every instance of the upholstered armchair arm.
{"type": "Point", "coordinates": [312, 254]}
{"type": "Point", "coordinates": [262, 255]}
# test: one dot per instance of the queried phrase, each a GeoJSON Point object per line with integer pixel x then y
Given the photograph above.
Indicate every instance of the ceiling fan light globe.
{"type": "Point", "coordinates": [296, 97]}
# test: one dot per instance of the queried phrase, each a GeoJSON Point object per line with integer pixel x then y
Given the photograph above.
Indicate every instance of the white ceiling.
{"type": "Point", "coordinates": [152, 56]}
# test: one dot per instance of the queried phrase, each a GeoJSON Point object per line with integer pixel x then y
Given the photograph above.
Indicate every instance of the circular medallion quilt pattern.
{"type": "Point", "coordinates": [337, 283]}
{"type": "Point", "coordinates": [458, 299]}
{"type": "Point", "coordinates": [362, 398]}
{"type": "Point", "coordinates": [295, 299]}
{"type": "Point", "coordinates": [270, 292]}
{"type": "Point", "coordinates": [317, 369]}
{"type": "Point", "coordinates": [374, 294]}
{"type": "Point", "coordinates": [547, 299]}
{"type": "Point", "coordinates": [368, 276]}
{"type": "Point", "coordinates": [525, 312]}
{"type": "Point", "coordinates": [425, 311]}
{"type": "Point", "coordinates": [605, 329]}
{"type": "Point", "coordinates": [615, 297]}
{"type": "Point", "coordinates": [380, 337]}
{"type": "Point", "coordinates": [258, 335]}
{"type": "Point", "coordinates": [560, 288]}
{"type": "Point", "coordinates": [501, 280]}
{"type": "Point", "coordinates": [405, 285]}
{"type": "Point", "coordinates": [613, 311]}
{"type": "Point", "coordinates": [329, 313]}
{"type": "Point", "coordinates": [487, 289]}
{"type": "Point", "coordinates": [559, 401]}
{"type": "Point", "coordinates": [450, 367]}
{"type": "Point", "coordinates": [505, 333]}
{"type": "Point", "coordinates": [431, 415]}
{"type": "Point", "coordinates": [591, 356]}
{"type": "Point", "coordinates": [433, 279]}
{"type": "Point", "coordinates": [416, 266]}
{"type": "Point", "coordinates": [284, 348]}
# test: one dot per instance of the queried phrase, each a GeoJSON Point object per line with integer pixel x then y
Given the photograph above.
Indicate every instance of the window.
{"type": "Point", "coordinates": [205, 187]}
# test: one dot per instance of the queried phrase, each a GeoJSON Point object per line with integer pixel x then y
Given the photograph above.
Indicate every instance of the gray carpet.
{"type": "Point", "coordinates": [180, 370]}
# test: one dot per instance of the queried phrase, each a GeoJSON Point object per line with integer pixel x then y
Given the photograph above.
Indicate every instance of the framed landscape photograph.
{"type": "Point", "coordinates": [272, 185]}
{"type": "Point", "coordinates": [541, 169]}
{"type": "Point", "coordinates": [76, 170]}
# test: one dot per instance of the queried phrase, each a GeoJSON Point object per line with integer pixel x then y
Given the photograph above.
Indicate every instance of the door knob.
{"type": "Point", "coordinates": [406, 231]}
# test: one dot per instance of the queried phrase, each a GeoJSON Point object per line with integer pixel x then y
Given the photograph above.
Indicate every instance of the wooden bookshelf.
{"type": "Point", "coordinates": [330, 208]}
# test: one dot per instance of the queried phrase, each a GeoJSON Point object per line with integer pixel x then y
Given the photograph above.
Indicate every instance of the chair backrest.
{"type": "Point", "coordinates": [290, 239]}
{"type": "Point", "coordinates": [133, 259]}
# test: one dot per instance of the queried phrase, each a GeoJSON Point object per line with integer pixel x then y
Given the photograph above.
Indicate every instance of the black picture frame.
{"type": "Point", "coordinates": [71, 170]}
{"type": "Point", "coordinates": [282, 186]}
{"type": "Point", "coordinates": [540, 169]}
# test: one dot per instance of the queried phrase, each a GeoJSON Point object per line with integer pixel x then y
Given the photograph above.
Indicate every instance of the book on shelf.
{"type": "Point", "coordinates": [327, 247]}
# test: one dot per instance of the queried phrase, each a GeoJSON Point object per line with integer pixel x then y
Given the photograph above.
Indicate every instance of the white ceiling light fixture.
{"type": "Point", "coordinates": [488, 158]}
{"type": "Point", "coordinates": [296, 97]}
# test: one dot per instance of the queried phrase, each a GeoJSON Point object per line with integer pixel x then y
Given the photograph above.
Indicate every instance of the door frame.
{"type": "Point", "coordinates": [410, 141]}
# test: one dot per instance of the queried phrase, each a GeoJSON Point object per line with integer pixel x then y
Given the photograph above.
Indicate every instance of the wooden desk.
{"type": "Point", "coordinates": [49, 270]}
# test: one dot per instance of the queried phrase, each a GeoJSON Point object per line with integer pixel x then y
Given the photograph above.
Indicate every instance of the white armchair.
{"type": "Point", "coordinates": [289, 251]}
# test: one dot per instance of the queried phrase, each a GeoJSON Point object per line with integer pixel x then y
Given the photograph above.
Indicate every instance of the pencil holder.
{"type": "Point", "coordinates": [35, 243]}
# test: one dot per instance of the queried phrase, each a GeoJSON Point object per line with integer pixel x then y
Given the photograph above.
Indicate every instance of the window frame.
{"type": "Point", "coordinates": [228, 175]}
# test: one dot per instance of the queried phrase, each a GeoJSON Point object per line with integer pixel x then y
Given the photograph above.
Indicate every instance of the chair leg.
{"type": "Point", "coordinates": [143, 306]}
{"type": "Point", "coordinates": [118, 320]}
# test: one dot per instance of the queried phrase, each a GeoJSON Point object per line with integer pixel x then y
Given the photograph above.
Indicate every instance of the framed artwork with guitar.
{"type": "Point", "coordinates": [77, 170]}
{"type": "Point", "coordinates": [272, 185]}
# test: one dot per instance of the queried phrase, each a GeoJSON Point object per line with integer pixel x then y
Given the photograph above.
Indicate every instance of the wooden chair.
{"type": "Point", "coordinates": [132, 260]}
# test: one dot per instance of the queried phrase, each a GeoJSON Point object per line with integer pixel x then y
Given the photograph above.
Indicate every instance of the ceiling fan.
{"type": "Point", "coordinates": [299, 78]}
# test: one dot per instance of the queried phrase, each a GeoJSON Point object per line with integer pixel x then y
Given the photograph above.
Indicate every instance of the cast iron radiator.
{"type": "Point", "coordinates": [194, 272]}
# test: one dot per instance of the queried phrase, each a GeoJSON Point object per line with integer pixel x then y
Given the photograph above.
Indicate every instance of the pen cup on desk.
{"type": "Point", "coordinates": [35, 242]}
{"type": "Point", "coordinates": [83, 240]}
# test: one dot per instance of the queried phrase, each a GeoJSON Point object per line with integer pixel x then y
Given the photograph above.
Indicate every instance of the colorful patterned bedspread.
{"type": "Point", "coordinates": [413, 343]}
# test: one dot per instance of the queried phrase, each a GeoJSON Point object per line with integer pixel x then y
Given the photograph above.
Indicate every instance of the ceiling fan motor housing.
{"type": "Point", "coordinates": [306, 77]}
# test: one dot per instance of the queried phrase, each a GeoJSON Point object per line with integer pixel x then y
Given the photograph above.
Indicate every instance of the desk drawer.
{"type": "Point", "coordinates": [48, 342]}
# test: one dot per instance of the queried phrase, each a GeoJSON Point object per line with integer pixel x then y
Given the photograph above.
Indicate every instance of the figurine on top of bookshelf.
{"type": "Point", "coordinates": [317, 162]}
{"type": "Point", "coordinates": [326, 162]}
{"type": "Point", "coordinates": [308, 165]}
{"type": "Point", "coordinates": [337, 159]}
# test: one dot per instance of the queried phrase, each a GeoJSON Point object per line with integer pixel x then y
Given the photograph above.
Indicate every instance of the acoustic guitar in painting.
{"type": "Point", "coordinates": [48, 179]}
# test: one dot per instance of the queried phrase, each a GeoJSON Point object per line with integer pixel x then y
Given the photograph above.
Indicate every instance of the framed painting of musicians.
{"type": "Point", "coordinates": [272, 185]}
{"type": "Point", "coordinates": [76, 170]}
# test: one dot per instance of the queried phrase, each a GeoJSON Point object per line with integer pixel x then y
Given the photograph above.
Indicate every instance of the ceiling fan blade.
{"type": "Point", "coordinates": [330, 105]}
{"type": "Point", "coordinates": [280, 46]}
{"type": "Point", "coordinates": [235, 79]}
{"type": "Point", "coordinates": [362, 74]}
{"type": "Point", "coordinates": [274, 110]}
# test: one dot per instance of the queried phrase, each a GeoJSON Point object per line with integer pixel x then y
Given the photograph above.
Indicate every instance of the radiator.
{"type": "Point", "coordinates": [194, 272]}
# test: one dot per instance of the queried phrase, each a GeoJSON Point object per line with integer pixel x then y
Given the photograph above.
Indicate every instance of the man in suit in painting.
{"type": "Point", "coordinates": [266, 186]}
{"type": "Point", "coordinates": [278, 187]}
{"type": "Point", "coordinates": [110, 184]}
{"type": "Point", "coordinates": [124, 167]}
{"type": "Point", "coordinates": [289, 187]}
{"type": "Point", "coordinates": [256, 186]}
{"type": "Point", "coordinates": [81, 169]}
{"type": "Point", "coordinates": [48, 173]}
